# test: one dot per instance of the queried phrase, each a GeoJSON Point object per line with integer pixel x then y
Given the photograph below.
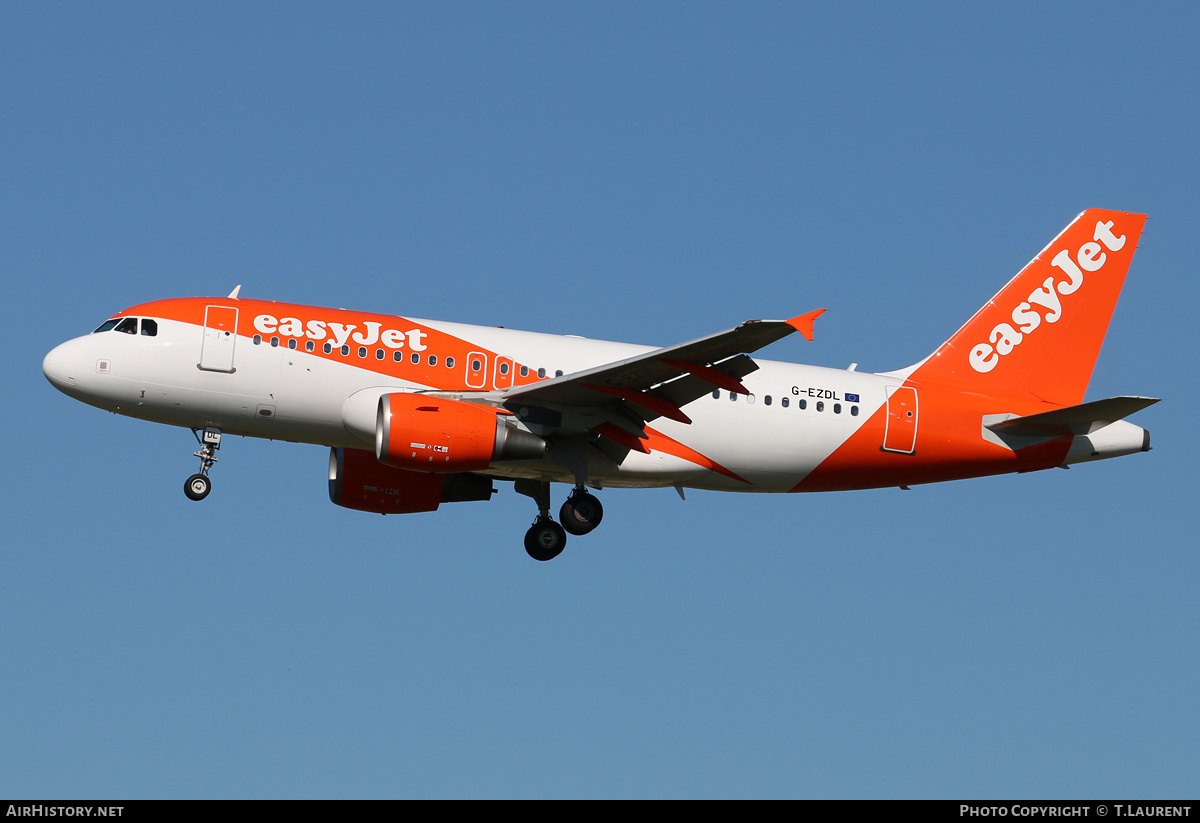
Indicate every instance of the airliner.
{"type": "Point", "coordinates": [417, 413]}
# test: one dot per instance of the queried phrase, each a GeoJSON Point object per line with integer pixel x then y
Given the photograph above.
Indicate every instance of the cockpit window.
{"type": "Point", "coordinates": [129, 325]}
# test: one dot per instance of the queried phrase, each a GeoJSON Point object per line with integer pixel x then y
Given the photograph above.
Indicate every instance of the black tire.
{"type": "Point", "coordinates": [197, 487]}
{"type": "Point", "coordinates": [545, 540]}
{"type": "Point", "coordinates": [581, 513]}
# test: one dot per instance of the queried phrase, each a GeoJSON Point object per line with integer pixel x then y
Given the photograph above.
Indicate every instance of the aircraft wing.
{"type": "Point", "coordinates": [658, 383]}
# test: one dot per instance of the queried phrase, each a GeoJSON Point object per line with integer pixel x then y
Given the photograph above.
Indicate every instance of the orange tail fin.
{"type": "Point", "coordinates": [1041, 334]}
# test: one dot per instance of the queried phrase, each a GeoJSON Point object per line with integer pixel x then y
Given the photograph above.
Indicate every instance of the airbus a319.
{"type": "Point", "coordinates": [420, 412]}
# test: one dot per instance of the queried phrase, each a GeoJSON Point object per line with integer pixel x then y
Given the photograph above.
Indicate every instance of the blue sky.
{"type": "Point", "coordinates": [648, 173]}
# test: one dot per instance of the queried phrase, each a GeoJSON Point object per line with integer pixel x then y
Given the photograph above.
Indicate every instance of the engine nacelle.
{"type": "Point", "coordinates": [358, 481]}
{"type": "Point", "coordinates": [434, 434]}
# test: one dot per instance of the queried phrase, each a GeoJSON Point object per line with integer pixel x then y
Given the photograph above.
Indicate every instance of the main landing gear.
{"type": "Point", "coordinates": [580, 513]}
{"type": "Point", "coordinates": [198, 485]}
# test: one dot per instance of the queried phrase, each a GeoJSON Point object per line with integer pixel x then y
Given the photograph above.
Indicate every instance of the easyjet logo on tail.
{"type": "Point", "coordinates": [1005, 337]}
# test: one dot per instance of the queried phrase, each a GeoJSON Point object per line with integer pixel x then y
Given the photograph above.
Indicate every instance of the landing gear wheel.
{"type": "Point", "coordinates": [197, 487]}
{"type": "Point", "coordinates": [581, 512]}
{"type": "Point", "coordinates": [545, 539]}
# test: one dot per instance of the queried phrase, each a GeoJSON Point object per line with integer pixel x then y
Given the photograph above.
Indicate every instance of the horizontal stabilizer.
{"type": "Point", "coordinates": [1073, 420]}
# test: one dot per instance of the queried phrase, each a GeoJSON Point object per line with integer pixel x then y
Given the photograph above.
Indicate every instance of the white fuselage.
{"type": "Point", "coordinates": [794, 417]}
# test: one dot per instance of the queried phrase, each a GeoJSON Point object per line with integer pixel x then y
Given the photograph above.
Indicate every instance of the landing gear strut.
{"type": "Point", "coordinates": [545, 539]}
{"type": "Point", "coordinates": [198, 485]}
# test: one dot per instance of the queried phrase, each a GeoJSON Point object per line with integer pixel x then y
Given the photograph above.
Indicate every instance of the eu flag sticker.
{"type": "Point", "coordinates": [852, 398]}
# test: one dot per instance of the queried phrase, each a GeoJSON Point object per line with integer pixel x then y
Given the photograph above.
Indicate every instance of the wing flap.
{"type": "Point", "coordinates": [645, 400]}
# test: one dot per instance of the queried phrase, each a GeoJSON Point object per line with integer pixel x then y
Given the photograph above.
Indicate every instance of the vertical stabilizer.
{"type": "Point", "coordinates": [1041, 334]}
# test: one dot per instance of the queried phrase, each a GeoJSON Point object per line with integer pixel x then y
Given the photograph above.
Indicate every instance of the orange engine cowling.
{"type": "Point", "coordinates": [358, 481]}
{"type": "Point", "coordinates": [434, 434]}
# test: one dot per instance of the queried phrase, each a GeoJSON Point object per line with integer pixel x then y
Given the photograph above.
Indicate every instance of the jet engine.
{"type": "Point", "coordinates": [358, 481]}
{"type": "Point", "coordinates": [434, 434]}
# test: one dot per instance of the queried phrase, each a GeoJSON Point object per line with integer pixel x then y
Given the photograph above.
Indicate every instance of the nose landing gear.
{"type": "Point", "coordinates": [198, 485]}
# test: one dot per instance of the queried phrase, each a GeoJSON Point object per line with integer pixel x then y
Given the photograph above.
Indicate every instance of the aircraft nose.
{"type": "Point", "coordinates": [60, 367]}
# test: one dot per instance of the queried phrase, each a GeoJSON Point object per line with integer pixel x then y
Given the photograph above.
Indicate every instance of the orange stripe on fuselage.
{"type": "Point", "coordinates": [313, 323]}
{"type": "Point", "coordinates": [949, 446]}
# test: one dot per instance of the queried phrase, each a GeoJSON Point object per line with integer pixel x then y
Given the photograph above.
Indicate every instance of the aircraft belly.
{"type": "Point", "coordinates": [657, 468]}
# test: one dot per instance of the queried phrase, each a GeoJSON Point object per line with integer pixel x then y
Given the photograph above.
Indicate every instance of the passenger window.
{"type": "Point", "coordinates": [854, 411]}
{"type": "Point", "coordinates": [327, 348]}
{"type": "Point", "coordinates": [345, 351]}
{"type": "Point", "coordinates": [274, 342]}
{"type": "Point", "coordinates": [107, 325]}
{"type": "Point", "coordinates": [716, 394]}
{"type": "Point", "coordinates": [820, 405]}
{"type": "Point", "coordinates": [397, 356]}
{"type": "Point", "coordinates": [803, 403]}
{"type": "Point", "coordinates": [257, 339]}
{"type": "Point", "coordinates": [415, 358]}
{"type": "Point", "coordinates": [504, 368]}
{"type": "Point", "coordinates": [449, 362]}
{"type": "Point", "coordinates": [524, 371]}
{"type": "Point", "coordinates": [309, 345]}
{"type": "Point", "coordinates": [767, 399]}
{"type": "Point", "coordinates": [379, 355]}
{"type": "Point", "coordinates": [837, 408]}
{"type": "Point", "coordinates": [558, 373]}
{"type": "Point", "coordinates": [292, 343]}
{"type": "Point", "coordinates": [128, 325]}
{"type": "Point", "coordinates": [149, 328]}
{"type": "Point", "coordinates": [733, 396]}
{"type": "Point", "coordinates": [432, 360]}
{"type": "Point", "coordinates": [783, 401]}
{"type": "Point", "coordinates": [362, 351]}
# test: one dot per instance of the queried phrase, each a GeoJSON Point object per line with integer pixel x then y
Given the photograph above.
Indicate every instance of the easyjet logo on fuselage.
{"type": "Point", "coordinates": [340, 333]}
{"type": "Point", "coordinates": [1005, 337]}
